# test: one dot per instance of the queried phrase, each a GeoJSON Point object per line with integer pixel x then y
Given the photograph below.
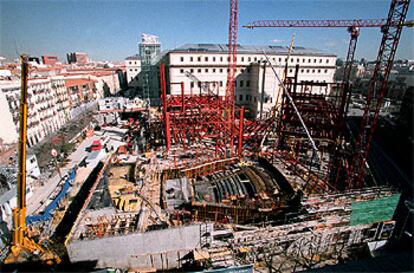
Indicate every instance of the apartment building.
{"type": "Point", "coordinates": [48, 104]}
{"type": "Point", "coordinates": [256, 85]}
{"type": "Point", "coordinates": [80, 90]}
{"type": "Point", "coordinates": [133, 68]}
{"type": "Point", "coordinates": [50, 60]}
{"type": "Point", "coordinates": [80, 58]}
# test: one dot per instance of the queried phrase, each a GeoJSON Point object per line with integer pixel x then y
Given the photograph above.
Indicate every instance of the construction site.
{"type": "Point", "coordinates": [198, 184]}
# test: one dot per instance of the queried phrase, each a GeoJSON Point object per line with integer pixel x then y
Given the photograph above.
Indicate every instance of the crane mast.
{"type": "Point", "coordinates": [377, 88]}
{"type": "Point", "coordinates": [19, 213]}
{"type": "Point", "coordinates": [22, 243]}
{"type": "Point", "coordinates": [231, 71]}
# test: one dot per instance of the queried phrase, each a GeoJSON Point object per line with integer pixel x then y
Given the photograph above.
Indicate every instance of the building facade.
{"type": "Point", "coordinates": [50, 60]}
{"type": "Point", "coordinates": [150, 53]}
{"type": "Point", "coordinates": [133, 68]}
{"type": "Point", "coordinates": [48, 104]}
{"type": "Point", "coordinates": [256, 85]}
{"type": "Point", "coordinates": [80, 58]}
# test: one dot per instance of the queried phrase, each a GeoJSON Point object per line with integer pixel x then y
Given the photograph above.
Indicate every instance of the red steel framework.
{"type": "Point", "coordinates": [391, 28]}
{"type": "Point", "coordinates": [206, 118]}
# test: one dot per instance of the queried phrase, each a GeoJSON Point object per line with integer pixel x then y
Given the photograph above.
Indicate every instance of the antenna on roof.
{"type": "Point", "coordinates": [16, 48]}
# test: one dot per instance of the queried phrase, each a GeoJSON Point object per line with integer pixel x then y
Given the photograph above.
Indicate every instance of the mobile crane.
{"type": "Point", "coordinates": [22, 245]}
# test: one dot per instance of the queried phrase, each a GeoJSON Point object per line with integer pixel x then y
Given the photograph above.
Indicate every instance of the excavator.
{"type": "Point", "coordinates": [23, 247]}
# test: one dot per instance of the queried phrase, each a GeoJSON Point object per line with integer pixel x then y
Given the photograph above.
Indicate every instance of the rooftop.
{"type": "Point", "coordinates": [77, 82]}
{"type": "Point", "coordinates": [133, 57]}
{"type": "Point", "coordinates": [223, 48]}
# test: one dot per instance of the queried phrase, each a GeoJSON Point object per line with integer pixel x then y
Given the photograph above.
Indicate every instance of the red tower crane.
{"type": "Point", "coordinates": [377, 88]}
{"type": "Point", "coordinates": [391, 29]}
{"type": "Point", "coordinates": [231, 71]}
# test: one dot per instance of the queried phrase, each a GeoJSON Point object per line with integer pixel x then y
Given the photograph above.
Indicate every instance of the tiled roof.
{"type": "Point", "coordinates": [77, 82]}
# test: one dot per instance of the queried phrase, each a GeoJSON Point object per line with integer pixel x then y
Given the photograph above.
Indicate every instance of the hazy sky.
{"type": "Point", "coordinates": [110, 30]}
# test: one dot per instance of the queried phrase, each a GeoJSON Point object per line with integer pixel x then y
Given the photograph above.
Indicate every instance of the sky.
{"type": "Point", "coordinates": [110, 30]}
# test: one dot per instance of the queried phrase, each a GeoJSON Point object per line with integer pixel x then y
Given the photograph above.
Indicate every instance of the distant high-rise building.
{"type": "Point", "coordinates": [150, 52]}
{"type": "Point", "coordinates": [78, 58]}
{"type": "Point", "coordinates": [50, 60]}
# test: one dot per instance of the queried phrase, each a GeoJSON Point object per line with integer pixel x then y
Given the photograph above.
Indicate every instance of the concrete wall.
{"type": "Point", "coordinates": [159, 249]}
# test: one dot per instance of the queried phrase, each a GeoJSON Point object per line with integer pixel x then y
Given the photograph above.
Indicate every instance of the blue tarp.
{"type": "Point", "coordinates": [47, 213]}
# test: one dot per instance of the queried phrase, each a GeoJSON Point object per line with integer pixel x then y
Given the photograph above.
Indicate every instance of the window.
{"type": "Point", "coordinates": [191, 70]}
{"type": "Point", "coordinates": [199, 70]}
{"type": "Point", "coordinates": [130, 62]}
{"type": "Point", "coordinates": [303, 60]}
{"type": "Point", "coordinates": [326, 70]}
{"type": "Point", "coordinates": [136, 69]}
{"type": "Point", "coordinates": [182, 59]}
{"type": "Point", "coordinates": [206, 70]}
{"type": "Point", "coordinates": [240, 97]}
{"type": "Point", "coordinates": [241, 83]}
{"type": "Point", "coordinates": [221, 70]}
{"type": "Point", "coordinates": [291, 60]}
{"type": "Point", "coordinates": [309, 60]}
{"type": "Point", "coordinates": [242, 59]}
{"type": "Point", "coordinates": [221, 59]}
{"type": "Point", "coordinates": [221, 83]}
{"type": "Point", "coordinates": [307, 70]}
{"type": "Point", "coordinates": [206, 59]}
{"type": "Point", "coordinates": [181, 71]}
{"type": "Point", "coordinates": [291, 70]}
{"type": "Point", "coordinates": [129, 70]}
{"type": "Point", "coordinates": [320, 60]}
{"type": "Point", "coordinates": [327, 60]}
{"type": "Point", "coordinates": [192, 84]}
{"type": "Point", "coordinates": [319, 71]}
{"type": "Point", "coordinates": [314, 60]}
{"type": "Point", "coordinates": [191, 59]}
{"type": "Point", "coordinates": [199, 59]}
{"type": "Point", "coordinates": [249, 59]}
{"type": "Point", "coordinates": [255, 59]}
{"type": "Point", "coordinates": [302, 70]}
{"type": "Point", "coordinates": [247, 83]}
{"type": "Point", "coordinates": [199, 84]}
{"type": "Point", "coordinates": [313, 70]}
{"type": "Point", "coordinates": [228, 59]}
{"type": "Point", "coordinates": [214, 70]}
{"type": "Point", "coordinates": [214, 59]}
{"type": "Point", "coordinates": [286, 60]}
{"type": "Point", "coordinates": [297, 60]}
{"type": "Point", "coordinates": [280, 59]}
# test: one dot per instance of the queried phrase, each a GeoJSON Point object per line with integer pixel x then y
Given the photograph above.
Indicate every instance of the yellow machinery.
{"type": "Point", "coordinates": [21, 239]}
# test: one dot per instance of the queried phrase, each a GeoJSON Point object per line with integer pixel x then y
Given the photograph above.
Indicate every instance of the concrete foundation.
{"type": "Point", "coordinates": [161, 249]}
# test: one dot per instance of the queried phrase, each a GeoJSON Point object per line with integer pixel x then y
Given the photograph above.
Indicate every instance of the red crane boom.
{"type": "Point", "coordinates": [317, 23]}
